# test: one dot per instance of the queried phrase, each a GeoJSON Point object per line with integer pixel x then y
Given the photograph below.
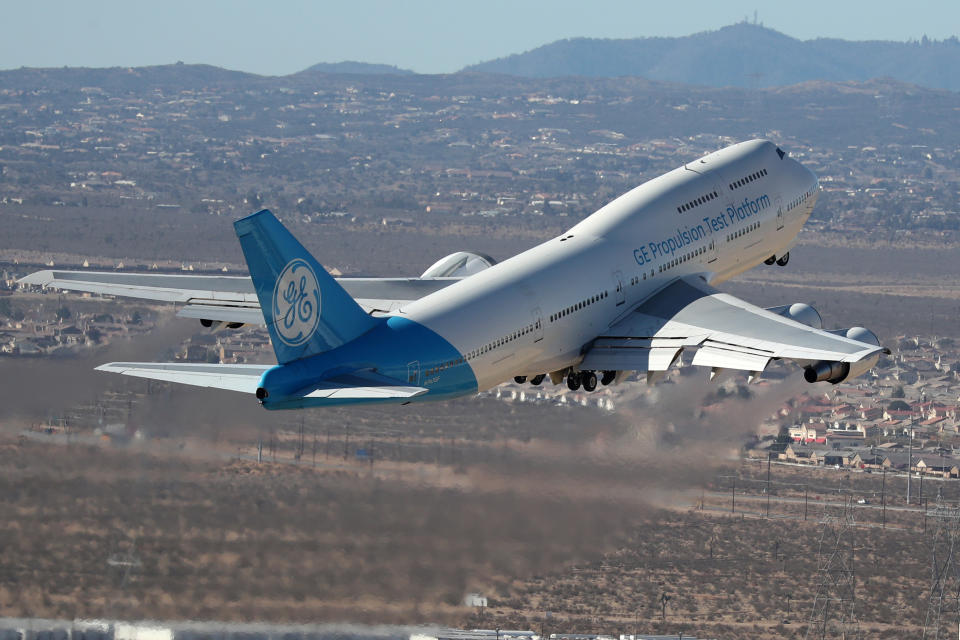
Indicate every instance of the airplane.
{"type": "Point", "coordinates": [627, 289]}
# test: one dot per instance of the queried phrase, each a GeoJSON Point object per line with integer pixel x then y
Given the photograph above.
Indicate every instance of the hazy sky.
{"type": "Point", "coordinates": [277, 37]}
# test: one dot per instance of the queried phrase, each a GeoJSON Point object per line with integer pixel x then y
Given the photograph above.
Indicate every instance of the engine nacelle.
{"type": "Point", "coordinates": [837, 372]}
{"type": "Point", "coordinates": [826, 371]}
{"type": "Point", "coordinates": [459, 265]}
{"type": "Point", "coordinates": [801, 312]}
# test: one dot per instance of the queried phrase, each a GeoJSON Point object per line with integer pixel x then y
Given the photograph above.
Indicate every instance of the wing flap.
{"type": "Point", "coordinates": [730, 359]}
{"type": "Point", "coordinates": [246, 315]}
{"type": "Point", "coordinates": [620, 358]}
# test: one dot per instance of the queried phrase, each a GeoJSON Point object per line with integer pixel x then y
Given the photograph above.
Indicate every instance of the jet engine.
{"type": "Point", "coordinates": [801, 312]}
{"type": "Point", "coordinates": [836, 372]}
{"type": "Point", "coordinates": [459, 265]}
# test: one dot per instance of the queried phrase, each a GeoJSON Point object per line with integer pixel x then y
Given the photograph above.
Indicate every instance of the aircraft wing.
{"type": "Point", "coordinates": [228, 298]}
{"type": "Point", "coordinates": [246, 378]}
{"type": "Point", "coordinates": [726, 332]}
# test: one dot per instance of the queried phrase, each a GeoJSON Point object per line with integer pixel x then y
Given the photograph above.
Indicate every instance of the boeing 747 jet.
{"type": "Point", "coordinates": [627, 289]}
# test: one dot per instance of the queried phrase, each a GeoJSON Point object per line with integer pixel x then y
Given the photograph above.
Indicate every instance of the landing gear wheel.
{"type": "Point", "coordinates": [770, 260]}
{"type": "Point", "coordinates": [519, 379]}
{"type": "Point", "coordinates": [784, 259]}
{"type": "Point", "coordinates": [573, 381]}
{"type": "Point", "coordinates": [537, 379]}
{"type": "Point", "coordinates": [589, 380]}
{"type": "Point", "coordinates": [608, 377]}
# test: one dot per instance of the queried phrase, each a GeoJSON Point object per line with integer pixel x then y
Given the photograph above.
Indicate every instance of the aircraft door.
{"type": "Point", "coordinates": [618, 287]}
{"type": "Point", "coordinates": [779, 203]}
{"type": "Point", "coordinates": [413, 372]}
{"type": "Point", "coordinates": [537, 325]}
{"type": "Point", "coordinates": [712, 252]}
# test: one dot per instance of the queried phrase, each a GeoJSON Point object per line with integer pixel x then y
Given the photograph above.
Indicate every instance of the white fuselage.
{"type": "Point", "coordinates": [537, 312]}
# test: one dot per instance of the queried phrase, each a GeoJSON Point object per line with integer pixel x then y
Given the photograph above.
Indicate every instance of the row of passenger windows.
{"type": "Point", "coordinates": [499, 342]}
{"type": "Point", "coordinates": [799, 201]}
{"type": "Point", "coordinates": [444, 365]}
{"type": "Point", "coordinates": [698, 201]}
{"type": "Point", "coordinates": [583, 304]}
{"type": "Point", "coordinates": [743, 231]}
{"type": "Point", "coordinates": [681, 259]}
{"type": "Point", "coordinates": [736, 184]}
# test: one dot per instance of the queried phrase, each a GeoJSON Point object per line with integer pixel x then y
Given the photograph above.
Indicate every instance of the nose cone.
{"type": "Point", "coordinates": [801, 177]}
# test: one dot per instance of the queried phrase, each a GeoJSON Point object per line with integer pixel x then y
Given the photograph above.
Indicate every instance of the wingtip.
{"type": "Point", "coordinates": [42, 278]}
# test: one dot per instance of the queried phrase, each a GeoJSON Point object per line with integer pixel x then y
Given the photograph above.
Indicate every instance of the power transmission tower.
{"type": "Point", "coordinates": [833, 614]}
{"type": "Point", "coordinates": [943, 608]}
{"type": "Point", "coordinates": [121, 564]}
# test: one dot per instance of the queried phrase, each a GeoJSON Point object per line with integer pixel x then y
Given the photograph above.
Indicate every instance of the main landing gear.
{"type": "Point", "coordinates": [782, 260]}
{"type": "Point", "coordinates": [588, 380]}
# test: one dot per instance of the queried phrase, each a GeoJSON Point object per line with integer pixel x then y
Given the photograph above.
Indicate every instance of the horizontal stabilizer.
{"type": "Point", "coordinates": [362, 385]}
{"type": "Point", "coordinates": [233, 377]}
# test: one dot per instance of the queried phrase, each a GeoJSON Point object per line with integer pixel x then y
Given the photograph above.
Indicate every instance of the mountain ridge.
{"type": "Point", "coordinates": [741, 55]}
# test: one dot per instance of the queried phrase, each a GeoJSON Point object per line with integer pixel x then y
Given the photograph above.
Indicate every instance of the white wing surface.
{"type": "Point", "coordinates": [726, 332]}
{"type": "Point", "coordinates": [233, 377]}
{"type": "Point", "coordinates": [246, 378]}
{"type": "Point", "coordinates": [228, 298]}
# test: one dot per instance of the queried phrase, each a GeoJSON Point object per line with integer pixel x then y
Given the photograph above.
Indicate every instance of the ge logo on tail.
{"type": "Point", "coordinates": [296, 303]}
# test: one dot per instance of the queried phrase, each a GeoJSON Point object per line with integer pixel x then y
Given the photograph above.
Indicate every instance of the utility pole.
{"type": "Point", "coordinates": [805, 502]}
{"type": "Point", "coordinates": [768, 486]}
{"type": "Point", "coordinates": [910, 461]}
{"type": "Point", "coordinates": [883, 498]}
{"type": "Point", "coordinates": [733, 496]}
{"type": "Point", "coordinates": [300, 447]}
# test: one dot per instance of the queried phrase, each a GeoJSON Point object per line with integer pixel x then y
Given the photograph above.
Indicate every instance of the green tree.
{"type": "Point", "coordinates": [898, 392]}
{"type": "Point", "coordinates": [64, 313]}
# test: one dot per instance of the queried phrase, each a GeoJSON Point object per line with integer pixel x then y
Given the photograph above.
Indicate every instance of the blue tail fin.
{"type": "Point", "coordinates": [306, 311]}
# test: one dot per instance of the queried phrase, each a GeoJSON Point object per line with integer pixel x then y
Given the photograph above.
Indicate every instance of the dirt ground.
{"type": "Point", "coordinates": [185, 530]}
